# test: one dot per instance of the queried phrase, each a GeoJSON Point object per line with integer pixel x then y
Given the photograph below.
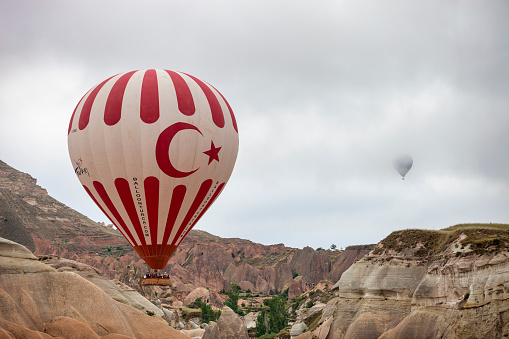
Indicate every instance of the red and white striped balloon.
{"type": "Point", "coordinates": [153, 148]}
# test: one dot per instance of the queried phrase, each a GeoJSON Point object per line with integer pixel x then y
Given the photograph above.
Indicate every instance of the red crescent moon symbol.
{"type": "Point", "coordinates": [163, 149]}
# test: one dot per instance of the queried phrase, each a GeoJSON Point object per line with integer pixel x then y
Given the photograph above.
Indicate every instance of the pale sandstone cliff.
{"type": "Point", "coordinates": [452, 283]}
{"type": "Point", "coordinates": [38, 301]}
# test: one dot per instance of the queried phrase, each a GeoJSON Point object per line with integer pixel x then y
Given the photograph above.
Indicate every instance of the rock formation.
{"type": "Point", "coordinates": [228, 326]}
{"type": "Point", "coordinates": [39, 301]}
{"type": "Point", "coordinates": [451, 283]}
{"type": "Point", "coordinates": [29, 216]}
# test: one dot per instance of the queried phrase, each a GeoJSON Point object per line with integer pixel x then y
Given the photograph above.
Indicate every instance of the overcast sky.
{"type": "Point", "coordinates": [326, 94]}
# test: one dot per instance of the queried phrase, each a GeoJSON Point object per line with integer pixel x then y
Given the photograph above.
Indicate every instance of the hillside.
{"type": "Point", "coordinates": [29, 216]}
{"type": "Point", "coordinates": [36, 220]}
{"type": "Point", "coordinates": [459, 240]}
{"type": "Point", "coordinates": [449, 283]}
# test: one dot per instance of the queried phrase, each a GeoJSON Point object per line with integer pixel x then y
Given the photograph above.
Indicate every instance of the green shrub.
{"type": "Point", "coordinates": [278, 316]}
{"type": "Point", "coordinates": [233, 299]}
{"type": "Point", "coordinates": [261, 327]}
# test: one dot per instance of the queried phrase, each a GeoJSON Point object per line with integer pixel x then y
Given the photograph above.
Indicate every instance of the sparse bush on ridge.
{"type": "Point", "coordinates": [482, 238]}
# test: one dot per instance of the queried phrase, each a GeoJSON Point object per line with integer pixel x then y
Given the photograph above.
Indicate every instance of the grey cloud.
{"type": "Point", "coordinates": [325, 94]}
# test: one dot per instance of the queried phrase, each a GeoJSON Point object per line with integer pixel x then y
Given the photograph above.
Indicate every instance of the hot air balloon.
{"type": "Point", "coordinates": [153, 149]}
{"type": "Point", "coordinates": [403, 164]}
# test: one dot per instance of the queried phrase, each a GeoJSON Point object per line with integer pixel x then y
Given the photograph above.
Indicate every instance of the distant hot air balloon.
{"type": "Point", "coordinates": [403, 164]}
{"type": "Point", "coordinates": [153, 149]}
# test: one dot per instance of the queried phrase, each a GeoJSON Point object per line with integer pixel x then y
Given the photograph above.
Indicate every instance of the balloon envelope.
{"type": "Point", "coordinates": [403, 164]}
{"type": "Point", "coordinates": [153, 149]}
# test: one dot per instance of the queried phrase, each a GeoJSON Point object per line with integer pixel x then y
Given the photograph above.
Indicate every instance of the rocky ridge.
{"type": "Point", "coordinates": [452, 283]}
{"type": "Point", "coordinates": [29, 216]}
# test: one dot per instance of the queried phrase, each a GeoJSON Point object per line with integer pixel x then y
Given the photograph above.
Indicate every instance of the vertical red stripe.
{"type": "Point", "coordinates": [124, 192]}
{"type": "Point", "coordinates": [152, 197]}
{"type": "Point", "coordinates": [234, 121]}
{"type": "Point", "coordinates": [87, 107]}
{"type": "Point", "coordinates": [215, 107]}
{"type": "Point", "coordinates": [149, 104]}
{"type": "Point", "coordinates": [184, 97]}
{"type": "Point", "coordinates": [107, 201]}
{"type": "Point", "coordinates": [106, 214]}
{"type": "Point", "coordinates": [72, 117]}
{"type": "Point", "coordinates": [211, 200]}
{"type": "Point", "coordinates": [198, 200]}
{"type": "Point", "coordinates": [113, 109]}
{"type": "Point", "coordinates": [177, 197]}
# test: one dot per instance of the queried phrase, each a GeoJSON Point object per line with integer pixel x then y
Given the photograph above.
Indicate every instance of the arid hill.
{"type": "Point", "coordinates": [29, 216]}
{"type": "Point", "coordinates": [451, 283]}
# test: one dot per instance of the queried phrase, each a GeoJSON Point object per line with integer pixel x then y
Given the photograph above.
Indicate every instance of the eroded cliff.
{"type": "Point", "coordinates": [39, 301]}
{"type": "Point", "coordinates": [452, 283]}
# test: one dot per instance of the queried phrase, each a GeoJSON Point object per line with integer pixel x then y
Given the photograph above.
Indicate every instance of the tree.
{"type": "Point", "coordinates": [261, 327]}
{"type": "Point", "coordinates": [332, 247]}
{"type": "Point", "coordinates": [278, 317]}
{"type": "Point", "coordinates": [207, 314]}
{"type": "Point", "coordinates": [233, 299]}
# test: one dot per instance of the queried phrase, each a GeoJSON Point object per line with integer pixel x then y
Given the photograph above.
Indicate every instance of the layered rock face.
{"type": "Point", "coordinates": [449, 284]}
{"type": "Point", "coordinates": [38, 301]}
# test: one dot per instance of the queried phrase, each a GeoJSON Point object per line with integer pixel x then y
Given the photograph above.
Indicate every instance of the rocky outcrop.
{"type": "Point", "coordinates": [199, 292]}
{"type": "Point", "coordinates": [17, 259]}
{"type": "Point", "coordinates": [350, 255]}
{"type": "Point", "coordinates": [113, 288]}
{"type": "Point", "coordinates": [442, 286]}
{"type": "Point", "coordinates": [29, 216]}
{"type": "Point", "coordinates": [228, 326]}
{"type": "Point", "coordinates": [312, 265]}
{"type": "Point", "coordinates": [37, 300]}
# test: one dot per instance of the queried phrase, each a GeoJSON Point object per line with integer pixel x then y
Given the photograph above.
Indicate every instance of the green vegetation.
{"type": "Point", "coordinates": [277, 318]}
{"type": "Point", "coordinates": [360, 247]}
{"type": "Point", "coordinates": [189, 259]}
{"type": "Point", "coordinates": [63, 243]}
{"type": "Point", "coordinates": [190, 313]}
{"type": "Point", "coordinates": [207, 314]}
{"type": "Point", "coordinates": [116, 251]}
{"type": "Point", "coordinates": [261, 327]}
{"type": "Point", "coordinates": [268, 336]}
{"type": "Point", "coordinates": [233, 299]}
{"type": "Point", "coordinates": [313, 321]}
{"type": "Point", "coordinates": [265, 260]}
